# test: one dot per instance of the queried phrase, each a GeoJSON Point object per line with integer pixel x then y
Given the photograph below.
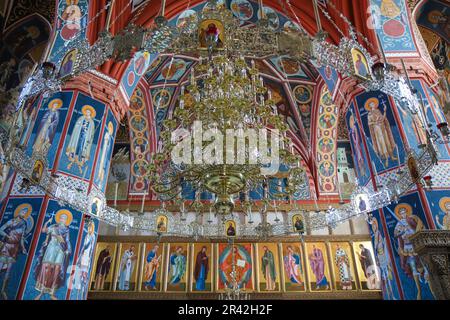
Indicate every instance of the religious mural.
{"type": "Point", "coordinates": [106, 149]}
{"type": "Point", "coordinates": [402, 220]}
{"type": "Point", "coordinates": [152, 267]}
{"type": "Point", "coordinates": [391, 21]}
{"type": "Point", "coordinates": [439, 202]}
{"type": "Point", "coordinates": [356, 140]}
{"type": "Point", "coordinates": [103, 267]}
{"type": "Point", "coordinates": [380, 131]}
{"type": "Point", "coordinates": [345, 169]}
{"type": "Point", "coordinates": [72, 16]}
{"type": "Point", "coordinates": [82, 137]}
{"type": "Point", "coordinates": [21, 50]}
{"type": "Point", "coordinates": [330, 76]}
{"type": "Point", "coordinates": [202, 267]}
{"type": "Point", "coordinates": [177, 267]}
{"type": "Point", "coordinates": [383, 259]}
{"type": "Point", "coordinates": [268, 265]}
{"type": "Point", "coordinates": [239, 258]}
{"type": "Point", "coordinates": [17, 226]}
{"type": "Point", "coordinates": [173, 70]}
{"type": "Point", "coordinates": [82, 268]}
{"type": "Point", "coordinates": [326, 143]}
{"type": "Point", "coordinates": [140, 147]}
{"type": "Point", "coordinates": [55, 253]}
{"type": "Point", "coordinates": [49, 125]}
{"type": "Point", "coordinates": [126, 267]}
{"type": "Point", "coordinates": [135, 70]}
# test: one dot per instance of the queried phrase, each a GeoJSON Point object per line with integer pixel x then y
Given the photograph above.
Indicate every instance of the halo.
{"type": "Point", "coordinates": [443, 202]}
{"type": "Point", "coordinates": [65, 212]}
{"type": "Point", "coordinates": [366, 105]}
{"type": "Point", "coordinates": [58, 102]}
{"type": "Point", "coordinates": [110, 127]}
{"type": "Point", "coordinates": [75, 2]}
{"type": "Point", "coordinates": [20, 207]}
{"type": "Point", "coordinates": [90, 108]}
{"type": "Point", "coordinates": [403, 206]}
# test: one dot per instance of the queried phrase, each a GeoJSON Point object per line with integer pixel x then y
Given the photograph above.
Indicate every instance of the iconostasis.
{"type": "Point", "coordinates": [143, 269]}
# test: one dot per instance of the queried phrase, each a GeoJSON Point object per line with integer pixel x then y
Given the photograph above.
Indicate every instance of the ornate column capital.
{"type": "Point", "coordinates": [101, 87]}
{"type": "Point", "coordinates": [433, 248]}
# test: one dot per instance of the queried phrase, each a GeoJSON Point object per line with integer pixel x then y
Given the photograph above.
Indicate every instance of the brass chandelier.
{"type": "Point", "coordinates": [224, 97]}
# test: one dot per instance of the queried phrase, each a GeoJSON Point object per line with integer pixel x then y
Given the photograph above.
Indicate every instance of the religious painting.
{"type": "Point", "coordinates": [152, 267]}
{"type": "Point", "coordinates": [102, 276]}
{"type": "Point", "coordinates": [330, 76]}
{"type": "Point", "coordinates": [119, 175]}
{"type": "Point", "coordinates": [360, 64]}
{"type": "Point", "coordinates": [68, 64]}
{"type": "Point", "coordinates": [293, 267]}
{"type": "Point", "coordinates": [366, 267]}
{"type": "Point", "coordinates": [173, 70]}
{"type": "Point", "coordinates": [272, 16]}
{"type": "Point", "coordinates": [20, 40]}
{"type": "Point", "coordinates": [237, 258]}
{"type": "Point", "coordinates": [202, 267]}
{"type": "Point", "coordinates": [433, 114]}
{"type": "Point", "coordinates": [380, 131]}
{"type": "Point", "coordinates": [346, 169]}
{"type": "Point", "coordinates": [242, 9]}
{"type": "Point", "coordinates": [343, 268]}
{"type": "Point", "coordinates": [439, 203]}
{"type": "Point", "coordinates": [38, 171]}
{"type": "Point", "coordinates": [288, 66]}
{"type": "Point", "coordinates": [162, 224]}
{"type": "Point", "coordinates": [298, 224]}
{"type": "Point", "coordinates": [383, 259]}
{"type": "Point", "coordinates": [26, 119]}
{"type": "Point", "coordinates": [106, 149]}
{"type": "Point", "coordinates": [290, 26]}
{"type": "Point", "coordinates": [177, 267]}
{"type": "Point", "coordinates": [126, 267]}
{"type": "Point", "coordinates": [81, 270]}
{"type": "Point", "coordinates": [161, 98]}
{"type": "Point", "coordinates": [136, 70]}
{"type": "Point", "coordinates": [219, 3]}
{"type": "Point", "coordinates": [82, 137]}
{"type": "Point", "coordinates": [47, 128]}
{"type": "Point", "coordinates": [17, 227]}
{"type": "Point", "coordinates": [357, 146]}
{"type": "Point", "coordinates": [211, 33]}
{"type": "Point", "coordinates": [54, 254]}
{"type": "Point", "coordinates": [403, 220]}
{"type": "Point", "coordinates": [71, 15]}
{"type": "Point", "coordinates": [303, 94]}
{"type": "Point", "coordinates": [230, 228]}
{"type": "Point", "coordinates": [318, 269]}
{"type": "Point", "coordinates": [268, 265]}
{"type": "Point", "coordinates": [434, 16]}
{"type": "Point", "coordinates": [391, 22]}
{"type": "Point", "coordinates": [96, 206]}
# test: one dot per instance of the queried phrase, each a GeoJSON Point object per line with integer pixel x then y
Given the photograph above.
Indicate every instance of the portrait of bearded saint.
{"type": "Point", "coordinates": [380, 131]}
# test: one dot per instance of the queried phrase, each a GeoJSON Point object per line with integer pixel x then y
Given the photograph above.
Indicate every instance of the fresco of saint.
{"type": "Point", "coordinates": [12, 243]}
{"type": "Point", "coordinates": [79, 148]}
{"type": "Point", "coordinates": [47, 128]}
{"type": "Point", "coordinates": [380, 131]}
{"type": "Point", "coordinates": [293, 266]}
{"type": "Point", "coordinates": [317, 264]}
{"type": "Point", "coordinates": [54, 255]}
